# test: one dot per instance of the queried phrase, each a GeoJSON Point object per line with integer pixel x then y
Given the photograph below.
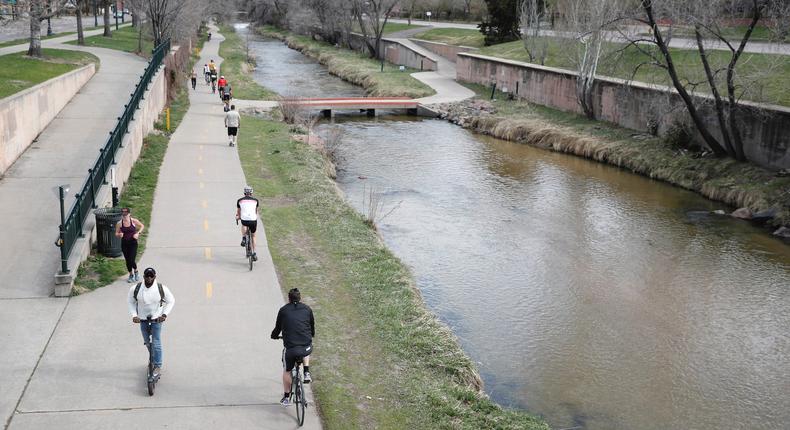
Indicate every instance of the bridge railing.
{"type": "Point", "coordinates": [85, 199]}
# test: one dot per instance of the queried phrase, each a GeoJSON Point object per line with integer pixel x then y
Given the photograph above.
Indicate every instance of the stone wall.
{"type": "Point", "coordinates": [638, 106]}
{"type": "Point", "coordinates": [449, 52]}
{"type": "Point", "coordinates": [396, 53]}
{"type": "Point", "coordinates": [24, 115]}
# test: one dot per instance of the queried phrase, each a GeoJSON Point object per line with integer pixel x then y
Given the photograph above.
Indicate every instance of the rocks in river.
{"type": "Point", "coordinates": [764, 216]}
{"type": "Point", "coordinates": [742, 213]}
{"type": "Point", "coordinates": [782, 232]}
{"type": "Point", "coordinates": [719, 212]}
{"type": "Point", "coordinates": [461, 113]}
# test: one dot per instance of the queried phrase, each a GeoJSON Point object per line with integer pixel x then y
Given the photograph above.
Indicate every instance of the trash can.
{"type": "Point", "coordinates": [106, 242]}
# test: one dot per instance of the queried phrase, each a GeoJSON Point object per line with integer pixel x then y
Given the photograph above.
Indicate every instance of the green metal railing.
{"type": "Point", "coordinates": [85, 200]}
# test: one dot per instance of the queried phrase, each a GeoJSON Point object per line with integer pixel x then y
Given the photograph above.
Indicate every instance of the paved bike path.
{"type": "Point", "coordinates": [220, 368]}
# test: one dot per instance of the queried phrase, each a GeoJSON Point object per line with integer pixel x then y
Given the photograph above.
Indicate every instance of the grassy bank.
{"type": "Point", "coordinates": [26, 40]}
{"type": "Point", "coordinates": [138, 194]}
{"type": "Point", "coordinates": [723, 179]}
{"type": "Point", "coordinates": [454, 36]}
{"type": "Point", "coordinates": [382, 360]}
{"type": "Point", "coordinates": [20, 72]}
{"type": "Point", "coordinates": [123, 39]}
{"type": "Point", "coordinates": [236, 68]}
{"type": "Point", "coordinates": [355, 67]}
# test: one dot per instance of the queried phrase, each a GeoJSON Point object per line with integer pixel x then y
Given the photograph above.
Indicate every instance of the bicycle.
{"type": "Point", "coordinates": [248, 245]}
{"type": "Point", "coordinates": [208, 78]}
{"type": "Point", "coordinates": [152, 378]}
{"type": "Point", "coordinates": [298, 397]}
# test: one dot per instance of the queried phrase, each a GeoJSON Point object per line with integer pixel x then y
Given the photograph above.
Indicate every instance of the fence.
{"type": "Point", "coordinates": [85, 200]}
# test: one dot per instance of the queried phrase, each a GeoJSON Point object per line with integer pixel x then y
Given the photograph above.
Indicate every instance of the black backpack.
{"type": "Point", "coordinates": [161, 292]}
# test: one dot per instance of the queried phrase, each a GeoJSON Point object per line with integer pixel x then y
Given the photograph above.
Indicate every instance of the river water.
{"type": "Point", "coordinates": [596, 298]}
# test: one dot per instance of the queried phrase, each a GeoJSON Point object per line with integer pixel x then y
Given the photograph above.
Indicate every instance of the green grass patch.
{"type": "Point", "coordinates": [27, 39]}
{"type": "Point", "coordinates": [123, 39]}
{"type": "Point", "coordinates": [138, 195]}
{"type": "Point", "coordinates": [395, 27]}
{"type": "Point", "coordinates": [356, 68]}
{"type": "Point", "coordinates": [766, 76]}
{"type": "Point", "coordinates": [738, 184]}
{"type": "Point", "coordinates": [237, 68]}
{"type": "Point", "coordinates": [382, 360]}
{"type": "Point", "coordinates": [454, 36]}
{"type": "Point", "coordinates": [20, 72]}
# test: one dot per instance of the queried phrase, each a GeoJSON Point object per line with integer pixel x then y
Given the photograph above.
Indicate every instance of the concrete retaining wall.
{"type": "Point", "coordinates": [647, 108]}
{"type": "Point", "coordinates": [24, 115]}
{"type": "Point", "coordinates": [396, 53]}
{"type": "Point", "coordinates": [151, 106]}
{"type": "Point", "coordinates": [449, 52]}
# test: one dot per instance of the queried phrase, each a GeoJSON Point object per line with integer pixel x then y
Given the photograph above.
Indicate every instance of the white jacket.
{"type": "Point", "coordinates": [148, 301]}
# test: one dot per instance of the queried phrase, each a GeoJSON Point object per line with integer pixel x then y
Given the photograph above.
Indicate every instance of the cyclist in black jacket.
{"type": "Point", "coordinates": [295, 321]}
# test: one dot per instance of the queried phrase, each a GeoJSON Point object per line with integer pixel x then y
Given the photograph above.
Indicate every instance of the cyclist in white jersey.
{"type": "Point", "coordinates": [247, 212]}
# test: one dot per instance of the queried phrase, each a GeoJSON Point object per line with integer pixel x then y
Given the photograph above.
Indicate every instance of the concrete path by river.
{"type": "Point", "coordinates": [80, 363]}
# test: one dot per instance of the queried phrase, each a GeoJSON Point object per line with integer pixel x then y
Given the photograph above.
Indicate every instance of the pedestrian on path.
{"type": "Point", "coordinates": [194, 79]}
{"type": "Point", "coordinates": [232, 123]}
{"type": "Point", "coordinates": [154, 303]}
{"type": "Point", "coordinates": [129, 229]}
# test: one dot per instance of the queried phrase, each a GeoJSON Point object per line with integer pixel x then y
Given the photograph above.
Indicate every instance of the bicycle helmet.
{"type": "Point", "coordinates": [248, 190]}
{"type": "Point", "coordinates": [222, 77]}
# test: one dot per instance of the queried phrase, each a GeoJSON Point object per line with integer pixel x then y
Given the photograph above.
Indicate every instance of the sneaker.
{"type": "Point", "coordinates": [254, 256]}
{"type": "Point", "coordinates": [244, 241]}
{"type": "Point", "coordinates": [286, 401]}
{"type": "Point", "coordinates": [307, 378]}
{"type": "Point", "coordinates": [130, 279]}
{"type": "Point", "coordinates": [136, 276]}
{"type": "Point", "coordinates": [157, 371]}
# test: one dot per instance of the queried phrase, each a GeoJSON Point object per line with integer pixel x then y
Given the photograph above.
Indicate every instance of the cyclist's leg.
{"type": "Point", "coordinates": [288, 365]}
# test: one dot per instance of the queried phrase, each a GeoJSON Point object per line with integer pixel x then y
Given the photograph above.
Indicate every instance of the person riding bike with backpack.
{"type": "Point", "coordinates": [296, 322]}
{"type": "Point", "coordinates": [151, 302]}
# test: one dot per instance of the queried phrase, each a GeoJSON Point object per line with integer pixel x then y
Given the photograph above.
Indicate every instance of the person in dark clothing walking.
{"type": "Point", "coordinates": [129, 229]}
{"type": "Point", "coordinates": [295, 321]}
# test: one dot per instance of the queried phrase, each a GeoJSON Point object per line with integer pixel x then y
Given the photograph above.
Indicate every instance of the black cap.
{"type": "Point", "coordinates": [149, 272]}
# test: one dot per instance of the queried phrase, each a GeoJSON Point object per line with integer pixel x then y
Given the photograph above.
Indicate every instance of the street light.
{"type": "Point", "coordinates": [64, 259]}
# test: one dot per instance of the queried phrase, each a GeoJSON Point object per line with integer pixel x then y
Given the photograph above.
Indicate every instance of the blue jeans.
{"type": "Point", "coordinates": [155, 329]}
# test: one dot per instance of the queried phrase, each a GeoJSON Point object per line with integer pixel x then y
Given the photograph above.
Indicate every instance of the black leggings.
{"type": "Point", "coordinates": [129, 249]}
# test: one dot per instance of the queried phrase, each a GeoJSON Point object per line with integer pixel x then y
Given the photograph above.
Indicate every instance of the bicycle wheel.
{"type": "Point", "coordinates": [249, 250]}
{"type": "Point", "coordinates": [300, 402]}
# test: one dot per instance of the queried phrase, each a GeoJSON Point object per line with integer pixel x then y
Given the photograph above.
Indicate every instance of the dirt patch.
{"type": "Point", "coordinates": [279, 202]}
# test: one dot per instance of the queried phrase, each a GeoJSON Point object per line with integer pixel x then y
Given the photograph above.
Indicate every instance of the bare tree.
{"type": "Point", "coordinates": [39, 11]}
{"type": "Point", "coordinates": [372, 16]}
{"type": "Point", "coordinates": [107, 28]}
{"type": "Point", "coordinates": [588, 22]}
{"type": "Point", "coordinates": [78, 10]}
{"type": "Point", "coordinates": [722, 79]}
{"type": "Point", "coordinates": [531, 13]}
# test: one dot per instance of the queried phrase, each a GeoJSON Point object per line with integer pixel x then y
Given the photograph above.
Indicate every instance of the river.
{"type": "Point", "coordinates": [588, 295]}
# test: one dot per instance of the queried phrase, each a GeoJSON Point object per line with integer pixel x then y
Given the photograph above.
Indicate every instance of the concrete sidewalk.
{"type": "Point", "coordinates": [55, 42]}
{"type": "Point", "coordinates": [220, 368]}
{"type": "Point", "coordinates": [29, 212]}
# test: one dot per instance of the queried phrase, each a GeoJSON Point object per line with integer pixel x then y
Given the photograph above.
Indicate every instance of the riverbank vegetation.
{"type": "Point", "coordinates": [355, 67]}
{"type": "Point", "coordinates": [382, 360]}
{"type": "Point", "coordinates": [738, 184]}
{"type": "Point", "coordinates": [237, 66]}
{"type": "Point", "coordinates": [20, 71]}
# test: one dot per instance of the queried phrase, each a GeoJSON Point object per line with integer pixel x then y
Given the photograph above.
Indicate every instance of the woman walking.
{"type": "Point", "coordinates": [129, 230]}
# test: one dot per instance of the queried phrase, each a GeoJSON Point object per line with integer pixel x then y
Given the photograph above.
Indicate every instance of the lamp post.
{"type": "Point", "coordinates": [64, 259]}
{"type": "Point", "coordinates": [49, 23]}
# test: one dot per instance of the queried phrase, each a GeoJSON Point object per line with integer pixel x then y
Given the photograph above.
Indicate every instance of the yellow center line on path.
{"type": "Point", "coordinates": [209, 290]}
{"type": "Point", "coordinates": [205, 225]}
{"type": "Point", "coordinates": [200, 172]}
{"type": "Point", "coordinates": [201, 147]}
{"type": "Point", "coordinates": [207, 253]}
{"type": "Point", "coordinates": [204, 203]}
{"type": "Point", "coordinates": [202, 185]}
{"type": "Point", "coordinates": [200, 158]}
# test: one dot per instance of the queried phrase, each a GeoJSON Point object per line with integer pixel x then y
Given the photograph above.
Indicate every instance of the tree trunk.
{"type": "Point", "coordinates": [35, 32]}
{"type": "Point", "coordinates": [80, 34]}
{"type": "Point", "coordinates": [107, 30]}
